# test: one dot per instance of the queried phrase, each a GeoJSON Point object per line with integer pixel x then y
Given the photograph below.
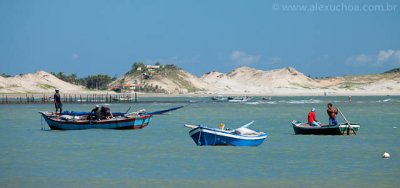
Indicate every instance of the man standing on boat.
{"type": "Point", "coordinates": [312, 119]}
{"type": "Point", "coordinates": [57, 101]}
{"type": "Point", "coordinates": [332, 112]}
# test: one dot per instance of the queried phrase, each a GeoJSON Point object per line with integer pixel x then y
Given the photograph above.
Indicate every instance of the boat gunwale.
{"type": "Point", "coordinates": [228, 133]}
{"type": "Point", "coordinates": [341, 125]}
{"type": "Point", "coordinates": [85, 122]}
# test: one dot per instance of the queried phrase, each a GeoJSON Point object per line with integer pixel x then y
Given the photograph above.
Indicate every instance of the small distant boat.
{"type": "Point", "coordinates": [341, 129]}
{"type": "Point", "coordinates": [80, 120]}
{"type": "Point", "coordinates": [219, 98]}
{"type": "Point", "coordinates": [204, 136]}
{"type": "Point", "coordinates": [239, 99]}
{"type": "Point", "coordinates": [122, 99]}
{"type": "Point", "coordinates": [266, 98]}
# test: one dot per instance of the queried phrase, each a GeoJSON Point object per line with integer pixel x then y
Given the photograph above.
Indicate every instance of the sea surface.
{"type": "Point", "coordinates": [163, 154]}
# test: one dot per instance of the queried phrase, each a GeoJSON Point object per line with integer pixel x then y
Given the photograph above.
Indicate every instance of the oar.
{"type": "Point", "coordinates": [160, 112]}
{"type": "Point", "coordinates": [347, 122]}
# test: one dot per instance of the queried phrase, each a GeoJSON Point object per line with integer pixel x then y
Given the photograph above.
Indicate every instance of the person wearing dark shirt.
{"type": "Point", "coordinates": [106, 113]}
{"type": "Point", "coordinates": [332, 112]}
{"type": "Point", "coordinates": [312, 119]}
{"type": "Point", "coordinates": [57, 101]}
{"type": "Point", "coordinates": [95, 113]}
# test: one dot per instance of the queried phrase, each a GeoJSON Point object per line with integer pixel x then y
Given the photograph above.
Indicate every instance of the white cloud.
{"type": "Point", "coordinates": [75, 56]}
{"type": "Point", "coordinates": [275, 60]}
{"type": "Point", "coordinates": [381, 58]}
{"type": "Point", "coordinates": [242, 58]}
{"type": "Point", "coordinates": [360, 60]}
{"type": "Point", "coordinates": [384, 56]}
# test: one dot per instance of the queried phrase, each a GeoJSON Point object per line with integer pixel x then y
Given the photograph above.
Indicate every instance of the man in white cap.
{"type": "Point", "coordinates": [312, 119]}
{"type": "Point", "coordinates": [57, 100]}
{"type": "Point", "coordinates": [95, 112]}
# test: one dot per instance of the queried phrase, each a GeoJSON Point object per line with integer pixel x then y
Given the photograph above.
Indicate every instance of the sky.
{"type": "Point", "coordinates": [318, 38]}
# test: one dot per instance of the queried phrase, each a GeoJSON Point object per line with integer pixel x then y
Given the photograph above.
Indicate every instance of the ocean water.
{"type": "Point", "coordinates": [163, 154]}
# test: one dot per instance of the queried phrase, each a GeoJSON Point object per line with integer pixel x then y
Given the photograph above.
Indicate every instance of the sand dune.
{"type": "Point", "coordinates": [38, 82]}
{"type": "Point", "coordinates": [240, 81]}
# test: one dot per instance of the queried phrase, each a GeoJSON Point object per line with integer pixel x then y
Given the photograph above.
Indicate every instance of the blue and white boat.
{"type": "Point", "coordinates": [243, 136]}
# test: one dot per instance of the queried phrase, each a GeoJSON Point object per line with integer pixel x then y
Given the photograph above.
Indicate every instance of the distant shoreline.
{"type": "Point", "coordinates": [162, 95]}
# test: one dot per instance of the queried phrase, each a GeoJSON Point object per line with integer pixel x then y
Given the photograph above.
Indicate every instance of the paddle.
{"type": "Point", "coordinates": [347, 121]}
{"type": "Point", "coordinates": [160, 112]}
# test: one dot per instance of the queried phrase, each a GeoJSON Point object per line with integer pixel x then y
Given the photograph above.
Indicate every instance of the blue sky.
{"type": "Point", "coordinates": [91, 37]}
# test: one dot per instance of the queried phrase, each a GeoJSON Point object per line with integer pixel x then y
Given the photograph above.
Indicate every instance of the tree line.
{"type": "Point", "coordinates": [99, 81]}
{"type": "Point", "coordinates": [140, 68]}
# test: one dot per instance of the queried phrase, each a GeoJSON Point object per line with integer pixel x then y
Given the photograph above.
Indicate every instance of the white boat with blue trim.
{"type": "Point", "coordinates": [243, 136]}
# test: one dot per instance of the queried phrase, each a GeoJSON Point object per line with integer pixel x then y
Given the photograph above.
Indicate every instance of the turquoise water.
{"type": "Point", "coordinates": [163, 154]}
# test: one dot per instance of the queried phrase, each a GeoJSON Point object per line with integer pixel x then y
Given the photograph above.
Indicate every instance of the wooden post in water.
{"type": "Point", "coordinates": [135, 97]}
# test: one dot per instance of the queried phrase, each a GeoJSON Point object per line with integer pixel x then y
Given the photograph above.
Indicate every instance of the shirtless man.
{"type": "Point", "coordinates": [332, 112]}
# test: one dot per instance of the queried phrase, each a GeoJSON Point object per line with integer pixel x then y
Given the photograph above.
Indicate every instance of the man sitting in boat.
{"type": "Point", "coordinates": [95, 113]}
{"type": "Point", "coordinates": [332, 112]}
{"type": "Point", "coordinates": [312, 119]}
{"type": "Point", "coordinates": [106, 113]}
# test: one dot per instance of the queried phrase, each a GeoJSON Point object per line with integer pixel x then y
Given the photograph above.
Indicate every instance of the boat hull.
{"type": "Point", "coordinates": [212, 137]}
{"type": "Point", "coordinates": [341, 129]}
{"type": "Point", "coordinates": [120, 123]}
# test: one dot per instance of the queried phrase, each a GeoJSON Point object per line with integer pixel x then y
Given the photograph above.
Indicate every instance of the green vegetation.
{"type": "Point", "coordinates": [72, 78]}
{"type": "Point", "coordinates": [99, 81]}
{"type": "Point", "coordinates": [152, 89]}
{"type": "Point", "coordinates": [138, 68]}
{"type": "Point", "coordinates": [176, 76]}
{"type": "Point", "coordinates": [46, 86]}
{"type": "Point", "coordinates": [5, 75]}
{"type": "Point", "coordinates": [396, 70]}
{"type": "Point", "coordinates": [158, 72]}
{"type": "Point", "coordinates": [350, 85]}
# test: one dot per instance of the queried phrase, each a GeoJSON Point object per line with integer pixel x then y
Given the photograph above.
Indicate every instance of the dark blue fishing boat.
{"type": "Point", "coordinates": [204, 136]}
{"type": "Point", "coordinates": [64, 122]}
{"type": "Point", "coordinates": [340, 129]}
{"type": "Point", "coordinates": [81, 120]}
